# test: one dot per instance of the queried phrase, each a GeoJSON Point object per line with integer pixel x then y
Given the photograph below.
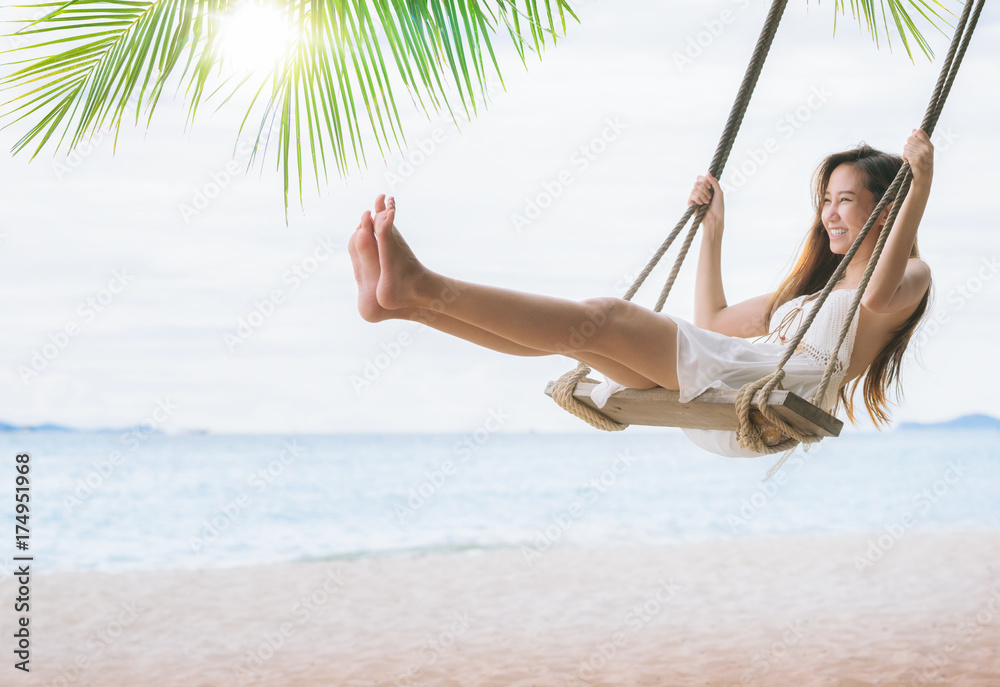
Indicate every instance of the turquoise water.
{"type": "Point", "coordinates": [131, 501]}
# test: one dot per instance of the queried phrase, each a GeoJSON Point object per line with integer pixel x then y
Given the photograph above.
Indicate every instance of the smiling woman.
{"type": "Point", "coordinates": [670, 362]}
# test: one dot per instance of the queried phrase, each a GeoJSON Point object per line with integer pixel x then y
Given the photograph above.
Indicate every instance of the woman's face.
{"type": "Point", "coordinates": [847, 205]}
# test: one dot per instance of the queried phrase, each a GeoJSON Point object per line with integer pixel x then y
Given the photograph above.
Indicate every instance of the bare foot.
{"type": "Point", "coordinates": [363, 250]}
{"type": "Point", "coordinates": [402, 274]}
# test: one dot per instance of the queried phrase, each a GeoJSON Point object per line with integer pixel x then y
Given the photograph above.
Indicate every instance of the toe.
{"type": "Point", "coordinates": [383, 224]}
{"type": "Point", "coordinates": [365, 245]}
{"type": "Point", "coordinates": [380, 203]}
{"type": "Point", "coordinates": [367, 223]}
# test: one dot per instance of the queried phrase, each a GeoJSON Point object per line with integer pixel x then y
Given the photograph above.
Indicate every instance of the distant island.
{"type": "Point", "coordinates": [963, 422]}
{"type": "Point", "coordinates": [975, 421]}
{"type": "Point", "coordinates": [5, 427]}
{"type": "Point", "coordinates": [49, 427]}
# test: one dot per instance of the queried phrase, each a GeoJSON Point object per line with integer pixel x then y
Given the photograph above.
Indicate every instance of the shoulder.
{"type": "Point", "coordinates": [919, 268]}
{"type": "Point", "coordinates": [911, 290]}
{"type": "Point", "coordinates": [916, 279]}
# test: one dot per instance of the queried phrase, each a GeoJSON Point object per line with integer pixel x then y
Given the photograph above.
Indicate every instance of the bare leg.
{"type": "Point", "coordinates": [627, 334]}
{"type": "Point", "coordinates": [363, 250]}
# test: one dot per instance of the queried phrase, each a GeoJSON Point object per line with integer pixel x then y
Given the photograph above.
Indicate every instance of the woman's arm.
{"type": "Point", "coordinates": [898, 281]}
{"type": "Point", "coordinates": [711, 311]}
{"type": "Point", "coordinates": [709, 296]}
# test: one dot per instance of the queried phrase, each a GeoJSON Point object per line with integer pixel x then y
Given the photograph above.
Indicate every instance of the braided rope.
{"type": "Point", "coordinates": [756, 429]}
{"type": "Point", "coordinates": [748, 434]}
{"type": "Point", "coordinates": [905, 174]}
{"type": "Point", "coordinates": [562, 392]}
{"type": "Point", "coordinates": [732, 128]}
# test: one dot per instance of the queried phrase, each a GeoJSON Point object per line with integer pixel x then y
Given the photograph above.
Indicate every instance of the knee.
{"type": "Point", "coordinates": [604, 309]}
{"type": "Point", "coordinates": [600, 314]}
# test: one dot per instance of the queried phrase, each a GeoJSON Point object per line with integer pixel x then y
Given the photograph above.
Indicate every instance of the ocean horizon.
{"type": "Point", "coordinates": [142, 501]}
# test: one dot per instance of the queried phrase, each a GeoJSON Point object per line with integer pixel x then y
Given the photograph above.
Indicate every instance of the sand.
{"type": "Point", "coordinates": [765, 611]}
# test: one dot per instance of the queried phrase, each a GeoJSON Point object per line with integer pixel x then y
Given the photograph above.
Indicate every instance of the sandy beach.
{"type": "Point", "coordinates": [842, 610]}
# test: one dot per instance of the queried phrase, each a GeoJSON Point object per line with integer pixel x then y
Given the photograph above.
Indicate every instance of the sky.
{"type": "Point", "coordinates": [124, 285]}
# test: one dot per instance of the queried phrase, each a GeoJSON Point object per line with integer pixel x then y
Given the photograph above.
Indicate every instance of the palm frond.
{"type": "Point", "coordinates": [905, 26]}
{"type": "Point", "coordinates": [93, 60]}
{"type": "Point", "coordinates": [89, 62]}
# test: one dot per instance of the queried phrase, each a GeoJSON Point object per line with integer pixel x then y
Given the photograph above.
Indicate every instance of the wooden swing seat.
{"type": "Point", "coordinates": [713, 409]}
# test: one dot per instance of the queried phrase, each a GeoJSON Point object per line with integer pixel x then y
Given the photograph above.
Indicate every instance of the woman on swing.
{"type": "Point", "coordinates": [639, 348]}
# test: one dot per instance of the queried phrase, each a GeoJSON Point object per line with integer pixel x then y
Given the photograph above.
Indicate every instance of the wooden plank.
{"type": "Point", "coordinates": [713, 409]}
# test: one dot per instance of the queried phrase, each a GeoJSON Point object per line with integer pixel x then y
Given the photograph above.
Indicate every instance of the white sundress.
{"type": "Point", "coordinates": [710, 360]}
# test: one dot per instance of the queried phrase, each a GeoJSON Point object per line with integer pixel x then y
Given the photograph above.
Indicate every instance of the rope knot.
{"type": "Point", "coordinates": [562, 393]}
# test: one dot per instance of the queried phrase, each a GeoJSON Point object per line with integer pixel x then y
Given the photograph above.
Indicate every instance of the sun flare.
{"type": "Point", "coordinates": [257, 36]}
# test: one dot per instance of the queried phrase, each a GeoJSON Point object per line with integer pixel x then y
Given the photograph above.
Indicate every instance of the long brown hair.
{"type": "Point", "coordinates": [816, 263]}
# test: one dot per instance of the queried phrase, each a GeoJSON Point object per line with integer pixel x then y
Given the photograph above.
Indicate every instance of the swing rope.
{"type": "Point", "coordinates": [748, 435]}
{"type": "Point", "coordinates": [562, 392]}
{"type": "Point", "coordinates": [752, 433]}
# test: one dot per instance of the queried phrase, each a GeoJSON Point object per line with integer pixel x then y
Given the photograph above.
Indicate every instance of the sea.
{"type": "Point", "coordinates": [133, 500]}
